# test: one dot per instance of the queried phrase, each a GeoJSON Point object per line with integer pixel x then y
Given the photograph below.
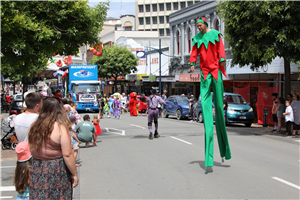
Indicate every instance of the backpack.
{"type": "Point", "coordinates": [8, 124]}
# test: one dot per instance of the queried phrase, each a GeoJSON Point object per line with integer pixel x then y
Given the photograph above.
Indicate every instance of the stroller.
{"type": "Point", "coordinates": [9, 141]}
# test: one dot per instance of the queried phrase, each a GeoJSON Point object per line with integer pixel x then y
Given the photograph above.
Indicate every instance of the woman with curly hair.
{"type": "Point", "coordinates": [53, 169]}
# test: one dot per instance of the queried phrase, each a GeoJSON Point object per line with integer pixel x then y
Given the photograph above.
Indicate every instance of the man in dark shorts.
{"type": "Point", "coordinates": [274, 110]}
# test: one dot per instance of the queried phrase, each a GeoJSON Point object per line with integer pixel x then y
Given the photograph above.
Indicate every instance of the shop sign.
{"type": "Point", "coordinates": [189, 77]}
{"type": "Point", "coordinates": [167, 79]}
{"type": "Point", "coordinates": [152, 78]}
{"type": "Point", "coordinates": [140, 76]}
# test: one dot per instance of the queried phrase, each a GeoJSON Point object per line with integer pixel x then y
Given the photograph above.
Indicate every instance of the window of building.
{"type": "Point", "coordinates": [147, 30]}
{"type": "Point", "coordinates": [182, 5]}
{"type": "Point", "coordinates": [154, 20]}
{"type": "Point", "coordinates": [148, 20]}
{"type": "Point", "coordinates": [161, 7]}
{"type": "Point", "coordinates": [128, 28]}
{"type": "Point", "coordinates": [217, 25]}
{"type": "Point", "coordinates": [169, 6]}
{"type": "Point", "coordinates": [167, 18]}
{"type": "Point", "coordinates": [190, 3]}
{"type": "Point", "coordinates": [147, 8]}
{"type": "Point", "coordinates": [154, 29]}
{"type": "Point", "coordinates": [141, 8]}
{"type": "Point", "coordinates": [154, 7]}
{"type": "Point", "coordinates": [197, 1]}
{"type": "Point", "coordinates": [141, 20]}
{"type": "Point", "coordinates": [175, 6]}
{"type": "Point", "coordinates": [162, 19]}
{"type": "Point", "coordinates": [161, 32]}
{"type": "Point", "coordinates": [168, 32]}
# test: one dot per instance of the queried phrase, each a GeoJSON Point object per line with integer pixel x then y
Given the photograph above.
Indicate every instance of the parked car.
{"type": "Point", "coordinates": [176, 105]}
{"type": "Point", "coordinates": [16, 106]}
{"type": "Point", "coordinates": [199, 109]}
{"type": "Point", "coordinates": [238, 111]}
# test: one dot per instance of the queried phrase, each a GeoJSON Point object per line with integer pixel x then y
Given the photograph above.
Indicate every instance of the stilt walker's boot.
{"type": "Point", "coordinates": [150, 136]}
{"type": "Point", "coordinates": [156, 135]}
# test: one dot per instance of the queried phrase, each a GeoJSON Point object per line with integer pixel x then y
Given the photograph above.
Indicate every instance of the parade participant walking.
{"type": "Point", "coordinates": [133, 104]}
{"type": "Point", "coordinates": [116, 105]}
{"type": "Point", "coordinates": [22, 172]}
{"type": "Point", "coordinates": [23, 121]}
{"type": "Point", "coordinates": [100, 106]}
{"type": "Point", "coordinates": [53, 169]}
{"type": "Point", "coordinates": [143, 106]}
{"type": "Point", "coordinates": [124, 103]}
{"type": "Point", "coordinates": [152, 103]}
{"type": "Point", "coordinates": [209, 45]}
{"type": "Point", "coordinates": [96, 123]}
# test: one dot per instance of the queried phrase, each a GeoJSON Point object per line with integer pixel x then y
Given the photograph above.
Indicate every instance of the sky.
{"type": "Point", "coordinates": [128, 7]}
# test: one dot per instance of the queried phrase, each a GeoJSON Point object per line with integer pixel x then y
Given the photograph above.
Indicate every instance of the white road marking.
{"type": "Point", "coordinates": [181, 140]}
{"type": "Point", "coordinates": [286, 182]}
{"type": "Point", "coordinates": [122, 131]}
{"type": "Point", "coordinates": [297, 140]}
{"type": "Point", "coordinates": [137, 126]}
{"type": "Point", "coordinates": [6, 197]}
{"type": "Point", "coordinates": [7, 188]}
{"type": "Point", "coordinates": [8, 166]}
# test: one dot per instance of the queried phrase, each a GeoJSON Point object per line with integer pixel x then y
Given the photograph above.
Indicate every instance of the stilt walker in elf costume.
{"type": "Point", "coordinates": [209, 45]}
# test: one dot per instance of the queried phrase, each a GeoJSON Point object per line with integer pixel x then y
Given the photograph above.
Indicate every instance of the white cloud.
{"type": "Point", "coordinates": [128, 7]}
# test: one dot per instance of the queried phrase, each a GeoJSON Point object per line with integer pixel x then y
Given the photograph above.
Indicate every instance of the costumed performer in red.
{"type": "Point", "coordinates": [132, 104]}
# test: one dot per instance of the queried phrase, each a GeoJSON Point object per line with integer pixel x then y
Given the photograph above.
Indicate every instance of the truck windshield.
{"type": "Point", "coordinates": [86, 88]}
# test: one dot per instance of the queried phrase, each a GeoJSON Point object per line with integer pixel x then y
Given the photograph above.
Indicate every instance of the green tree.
{"type": "Point", "coordinates": [115, 61]}
{"type": "Point", "coordinates": [32, 31]}
{"type": "Point", "coordinates": [258, 31]}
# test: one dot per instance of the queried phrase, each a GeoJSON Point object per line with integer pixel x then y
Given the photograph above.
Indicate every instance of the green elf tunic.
{"type": "Point", "coordinates": [211, 50]}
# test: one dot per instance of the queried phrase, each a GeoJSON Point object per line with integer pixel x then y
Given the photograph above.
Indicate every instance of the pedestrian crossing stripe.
{"type": "Point", "coordinates": [7, 188]}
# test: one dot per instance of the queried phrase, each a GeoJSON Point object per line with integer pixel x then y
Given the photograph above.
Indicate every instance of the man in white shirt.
{"type": "Point", "coordinates": [124, 103]}
{"type": "Point", "coordinates": [23, 121]}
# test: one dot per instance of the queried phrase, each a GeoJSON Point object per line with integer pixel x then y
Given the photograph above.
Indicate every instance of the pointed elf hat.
{"type": "Point", "coordinates": [201, 20]}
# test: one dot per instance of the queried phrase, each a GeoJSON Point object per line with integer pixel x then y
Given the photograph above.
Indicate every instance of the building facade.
{"type": "Point", "coordinates": [153, 15]}
{"type": "Point", "coordinates": [183, 28]}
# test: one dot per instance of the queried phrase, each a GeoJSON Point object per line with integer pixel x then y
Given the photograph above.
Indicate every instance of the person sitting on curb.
{"type": "Point", "coordinates": [86, 131]}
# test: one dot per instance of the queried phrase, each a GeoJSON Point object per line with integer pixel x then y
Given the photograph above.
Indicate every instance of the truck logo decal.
{"type": "Point", "coordinates": [83, 73]}
{"type": "Point", "coordinates": [87, 97]}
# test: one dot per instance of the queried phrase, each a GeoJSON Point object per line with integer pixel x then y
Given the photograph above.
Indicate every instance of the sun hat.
{"type": "Point", "coordinates": [23, 151]}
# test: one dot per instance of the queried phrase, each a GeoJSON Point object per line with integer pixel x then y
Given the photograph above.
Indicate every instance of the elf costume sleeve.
{"type": "Point", "coordinates": [221, 54]}
{"type": "Point", "coordinates": [194, 55]}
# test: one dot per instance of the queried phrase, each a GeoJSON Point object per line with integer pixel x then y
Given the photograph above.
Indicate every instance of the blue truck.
{"type": "Point", "coordinates": [84, 86]}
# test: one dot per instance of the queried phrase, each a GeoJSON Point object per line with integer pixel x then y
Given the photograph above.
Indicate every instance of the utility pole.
{"type": "Point", "coordinates": [150, 56]}
{"type": "Point", "coordinates": [159, 50]}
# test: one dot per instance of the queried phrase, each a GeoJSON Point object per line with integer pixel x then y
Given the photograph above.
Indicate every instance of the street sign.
{"type": "Point", "coordinates": [140, 54]}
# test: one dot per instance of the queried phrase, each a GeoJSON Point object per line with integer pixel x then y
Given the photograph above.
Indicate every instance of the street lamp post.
{"type": "Point", "coordinates": [159, 52]}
